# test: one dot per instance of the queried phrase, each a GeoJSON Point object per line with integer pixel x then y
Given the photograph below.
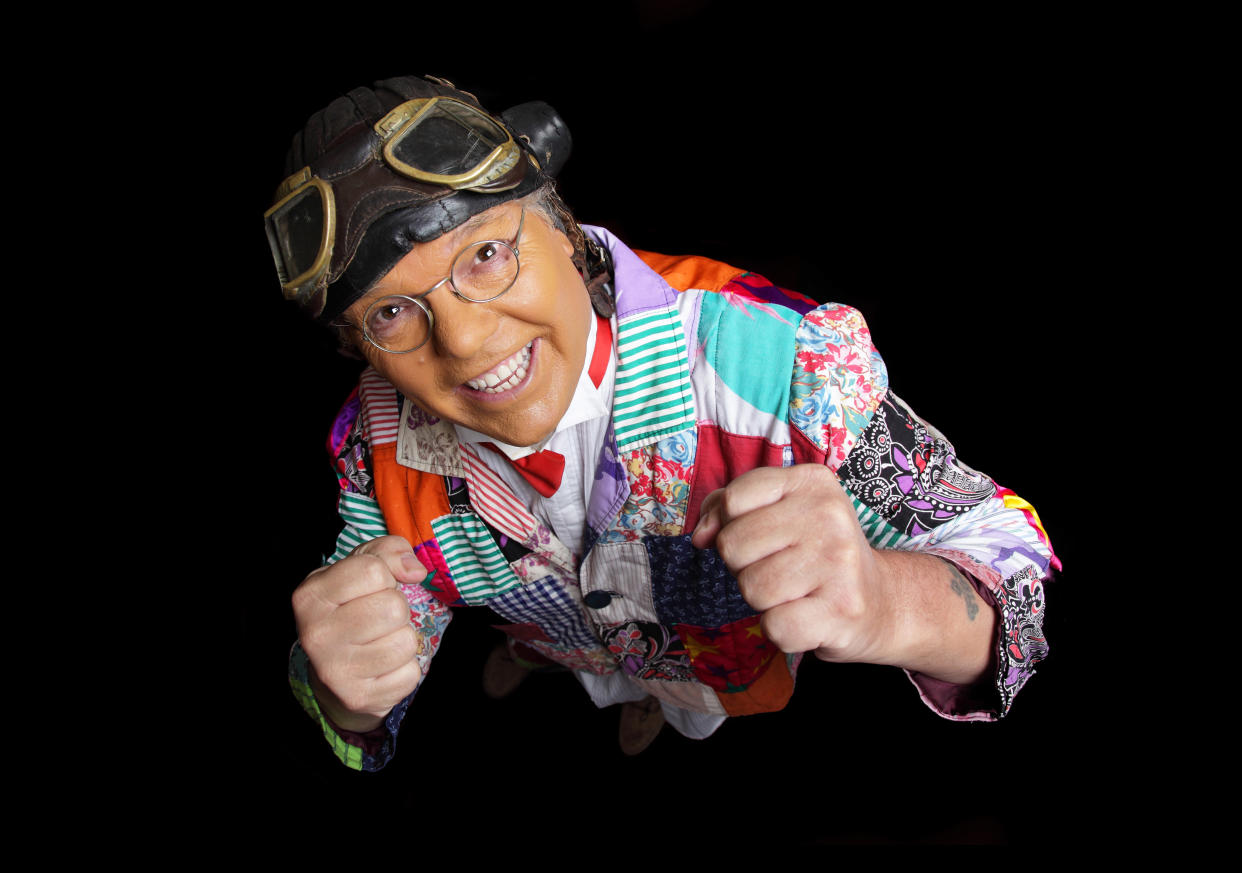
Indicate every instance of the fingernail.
{"type": "Point", "coordinates": [411, 564]}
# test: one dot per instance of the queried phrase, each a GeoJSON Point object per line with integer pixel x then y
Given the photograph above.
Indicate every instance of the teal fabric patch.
{"type": "Point", "coordinates": [759, 339]}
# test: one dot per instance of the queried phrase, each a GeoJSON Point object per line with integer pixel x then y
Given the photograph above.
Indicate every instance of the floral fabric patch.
{"type": "Point", "coordinates": [659, 476]}
{"type": "Point", "coordinates": [839, 379]}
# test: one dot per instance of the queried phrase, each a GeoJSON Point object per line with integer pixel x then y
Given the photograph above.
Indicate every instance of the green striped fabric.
{"type": "Point", "coordinates": [879, 532]}
{"type": "Point", "coordinates": [653, 397]}
{"type": "Point", "coordinates": [475, 563]}
{"type": "Point", "coordinates": [350, 756]}
{"type": "Point", "coordinates": [363, 521]}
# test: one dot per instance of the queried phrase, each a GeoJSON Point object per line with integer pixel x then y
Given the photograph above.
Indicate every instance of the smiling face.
{"type": "Point", "coordinates": [530, 343]}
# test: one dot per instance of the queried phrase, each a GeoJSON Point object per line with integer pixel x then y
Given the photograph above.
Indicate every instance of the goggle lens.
{"type": "Point", "coordinates": [299, 231]}
{"type": "Point", "coordinates": [447, 141]}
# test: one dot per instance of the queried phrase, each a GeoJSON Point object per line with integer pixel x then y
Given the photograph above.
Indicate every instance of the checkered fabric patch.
{"type": "Point", "coordinates": [547, 603]}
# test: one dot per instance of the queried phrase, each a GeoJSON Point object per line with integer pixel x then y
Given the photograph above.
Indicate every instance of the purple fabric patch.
{"type": "Point", "coordinates": [638, 287]}
{"type": "Point", "coordinates": [610, 490]}
{"type": "Point", "coordinates": [344, 421]}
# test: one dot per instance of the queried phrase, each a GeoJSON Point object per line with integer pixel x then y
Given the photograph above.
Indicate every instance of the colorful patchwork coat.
{"type": "Point", "coordinates": [718, 372]}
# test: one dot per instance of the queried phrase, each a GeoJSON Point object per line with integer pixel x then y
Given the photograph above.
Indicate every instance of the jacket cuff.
{"type": "Point", "coordinates": [1020, 644]}
{"type": "Point", "coordinates": [369, 751]}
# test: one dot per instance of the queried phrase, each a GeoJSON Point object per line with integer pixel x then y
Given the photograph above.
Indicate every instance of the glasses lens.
{"type": "Point", "coordinates": [397, 324]}
{"type": "Point", "coordinates": [485, 270]}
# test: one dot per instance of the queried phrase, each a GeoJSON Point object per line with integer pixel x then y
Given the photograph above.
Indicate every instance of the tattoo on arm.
{"type": "Point", "coordinates": [963, 589]}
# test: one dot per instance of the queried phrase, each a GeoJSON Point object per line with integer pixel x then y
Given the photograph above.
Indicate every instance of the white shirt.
{"type": "Point", "coordinates": [578, 436]}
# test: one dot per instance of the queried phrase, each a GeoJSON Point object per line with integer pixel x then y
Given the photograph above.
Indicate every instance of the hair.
{"type": "Point", "coordinates": [546, 201]}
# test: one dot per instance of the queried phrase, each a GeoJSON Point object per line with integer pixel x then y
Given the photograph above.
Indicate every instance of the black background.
{"type": "Point", "coordinates": [956, 180]}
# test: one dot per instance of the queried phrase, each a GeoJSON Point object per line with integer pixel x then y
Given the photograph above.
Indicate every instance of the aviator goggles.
{"type": "Point", "coordinates": [420, 151]}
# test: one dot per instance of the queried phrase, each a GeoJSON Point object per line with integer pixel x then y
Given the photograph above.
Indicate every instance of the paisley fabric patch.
{"type": "Point", "coordinates": [908, 477]}
{"type": "Point", "coordinates": [646, 650]}
{"type": "Point", "coordinates": [1021, 600]}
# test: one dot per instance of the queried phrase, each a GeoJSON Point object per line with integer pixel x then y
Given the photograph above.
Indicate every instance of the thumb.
{"type": "Point", "coordinates": [398, 556]}
{"type": "Point", "coordinates": [704, 535]}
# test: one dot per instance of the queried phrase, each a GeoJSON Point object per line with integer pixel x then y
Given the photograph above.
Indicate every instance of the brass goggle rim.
{"type": "Point", "coordinates": [401, 121]}
{"type": "Point", "coordinates": [310, 278]}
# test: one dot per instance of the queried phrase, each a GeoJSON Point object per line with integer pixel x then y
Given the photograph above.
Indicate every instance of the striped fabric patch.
{"type": "Point", "coordinates": [490, 496]}
{"type": "Point", "coordinates": [380, 408]}
{"type": "Point", "coordinates": [652, 397]}
{"type": "Point", "coordinates": [879, 533]}
{"type": "Point", "coordinates": [475, 563]}
{"type": "Point", "coordinates": [363, 521]}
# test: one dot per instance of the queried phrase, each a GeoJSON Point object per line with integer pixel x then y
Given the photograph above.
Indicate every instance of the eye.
{"type": "Point", "coordinates": [391, 316]}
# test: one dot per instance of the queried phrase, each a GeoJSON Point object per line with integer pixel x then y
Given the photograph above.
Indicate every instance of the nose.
{"type": "Point", "coordinates": [461, 328]}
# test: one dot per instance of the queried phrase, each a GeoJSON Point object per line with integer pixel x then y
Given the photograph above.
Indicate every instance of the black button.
{"type": "Point", "coordinates": [599, 599]}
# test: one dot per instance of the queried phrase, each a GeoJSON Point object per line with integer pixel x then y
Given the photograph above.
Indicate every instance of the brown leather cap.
{"type": "Point", "coordinates": [381, 213]}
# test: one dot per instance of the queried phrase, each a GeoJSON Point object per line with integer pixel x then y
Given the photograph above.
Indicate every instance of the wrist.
{"type": "Point", "coordinates": [940, 627]}
{"type": "Point", "coordinates": [336, 712]}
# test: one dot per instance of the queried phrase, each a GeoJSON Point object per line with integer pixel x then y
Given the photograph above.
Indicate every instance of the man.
{"type": "Point", "coordinates": [662, 473]}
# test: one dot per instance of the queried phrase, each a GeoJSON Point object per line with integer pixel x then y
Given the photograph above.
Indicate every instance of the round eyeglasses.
{"type": "Point", "coordinates": [481, 272]}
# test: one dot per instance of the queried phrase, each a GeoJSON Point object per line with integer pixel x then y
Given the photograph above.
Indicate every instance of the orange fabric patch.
{"type": "Point", "coordinates": [690, 271]}
{"type": "Point", "coordinates": [770, 692]}
{"type": "Point", "coordinates": [410, 500]}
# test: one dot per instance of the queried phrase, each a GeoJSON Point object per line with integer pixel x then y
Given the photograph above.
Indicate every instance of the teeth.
{"type": "Point", "coordinates": [507, 374]}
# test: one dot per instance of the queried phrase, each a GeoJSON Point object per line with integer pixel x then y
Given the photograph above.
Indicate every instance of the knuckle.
{"type": "Point", "coordinates": [316, 639]}
{"type": "Point", "coordinates": [394, 609]}
{"type": "Point", "coordinates": [782, 632]}
{"type": "Point", "coordinates": [730, 501]}
{"type": "Point", "coordinates": [370, 569]}
{"type": "Point", "coordinates": [406, 644]}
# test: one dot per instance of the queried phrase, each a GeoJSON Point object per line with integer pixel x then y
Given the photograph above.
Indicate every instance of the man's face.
{"type": "Point", "coordinates": [546, 315]}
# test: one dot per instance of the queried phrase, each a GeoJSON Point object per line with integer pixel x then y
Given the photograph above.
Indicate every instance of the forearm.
{"type": "Point", "coordinates": [939, 625]}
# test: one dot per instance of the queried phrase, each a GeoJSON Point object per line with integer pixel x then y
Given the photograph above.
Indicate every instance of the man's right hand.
{"type": "Point", "coordinates": [354, 625]}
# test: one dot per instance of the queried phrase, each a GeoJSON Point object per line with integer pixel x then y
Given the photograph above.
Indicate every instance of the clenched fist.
{"type": "Point", "coordinates": [791, 538]}
{"type": "Point", "coordinates": [354, 624]}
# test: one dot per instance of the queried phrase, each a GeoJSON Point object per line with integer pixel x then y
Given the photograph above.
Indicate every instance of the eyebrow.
{"type": "Point", "coordinates": [461, 232]}
{"type": "Point", "coordinates": [472, 223]}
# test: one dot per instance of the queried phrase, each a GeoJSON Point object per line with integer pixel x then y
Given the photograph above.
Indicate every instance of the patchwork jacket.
{"type": "Point", "coordinates": [718, 372]}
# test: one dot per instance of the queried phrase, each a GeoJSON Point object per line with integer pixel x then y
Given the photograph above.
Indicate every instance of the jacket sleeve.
{"type": "Point", "coordinates": [911, 492]}
{"type": "Point", "coordinates": [363, 521]}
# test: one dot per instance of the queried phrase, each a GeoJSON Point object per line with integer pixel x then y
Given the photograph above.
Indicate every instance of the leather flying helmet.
{"type": "Point", "coordinates": [386, 167]}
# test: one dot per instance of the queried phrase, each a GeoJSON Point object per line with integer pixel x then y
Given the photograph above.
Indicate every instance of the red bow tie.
{"type": "Point", "coordinates": [543, 470]}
